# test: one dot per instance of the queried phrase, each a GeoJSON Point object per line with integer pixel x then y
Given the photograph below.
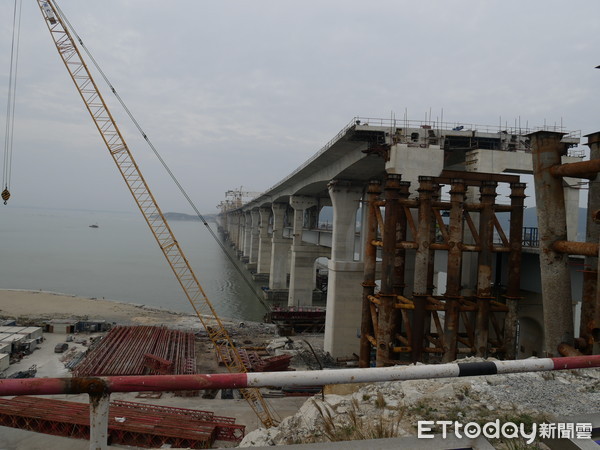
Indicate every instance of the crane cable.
{"type": "Point", "coordinates": [162, 161]}
{"type": "Point", "coordinates": [10, 103]}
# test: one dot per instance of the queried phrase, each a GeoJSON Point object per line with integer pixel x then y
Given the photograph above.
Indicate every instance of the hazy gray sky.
{"type": "Point", "coordinates": [239, 93]}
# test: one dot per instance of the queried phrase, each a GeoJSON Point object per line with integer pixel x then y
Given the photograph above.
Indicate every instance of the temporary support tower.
{"type": "Point", "coordinates": [399, 326]}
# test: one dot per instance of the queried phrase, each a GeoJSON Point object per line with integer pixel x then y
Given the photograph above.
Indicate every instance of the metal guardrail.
{"type": "Point", "coordinates": [100, 388]}
{"type": "Point", "coordinates": [464, 126]}
{"type": "Point", "coordinates": [531, 237]}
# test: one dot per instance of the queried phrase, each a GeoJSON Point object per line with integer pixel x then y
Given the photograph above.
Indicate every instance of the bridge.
{"type": "Point", "coordinates": [391, 181]}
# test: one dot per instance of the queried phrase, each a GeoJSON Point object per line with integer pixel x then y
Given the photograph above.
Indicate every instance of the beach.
{"type": "Point", "coordinates": [45, 305]}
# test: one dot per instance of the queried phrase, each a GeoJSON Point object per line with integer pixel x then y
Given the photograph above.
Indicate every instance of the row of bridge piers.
{"type": "Point", "coordinates": [428, 270]}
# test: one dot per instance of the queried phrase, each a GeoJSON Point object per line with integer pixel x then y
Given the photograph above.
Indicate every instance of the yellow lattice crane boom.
{"type": "Point", "coordinates": [128, 168]}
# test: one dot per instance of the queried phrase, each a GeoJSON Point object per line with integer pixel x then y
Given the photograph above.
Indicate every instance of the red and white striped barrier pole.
{"type": "Point", "coordinates": [105, 385]}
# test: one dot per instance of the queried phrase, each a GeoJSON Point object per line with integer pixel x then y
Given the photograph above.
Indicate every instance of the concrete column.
{"type": "Point", "coordinates": [571, 192]}
{"type": "Point", "coordinates": [279, 250]}
{"type": "Point", "coordinates": [302, 271]}
{"type": "Point", "coordinates": [222, 224]}
{"type": "Point", "coordinates": [344, 298]}
{"type": "Point", "coordinates": [239, 236]}
{"type": "Point", "coordinates": [235, 229]}
{"type": "Point", "coordinates": [254, 240]}
{"type": "Point", "coordinates": [228, 225]}
{"type": "Point", "coordinates": [556, 281]}
{"type": "Point", "coordinates": [247, 236]}
{"type": "Point", "coordinates": [263, 265]}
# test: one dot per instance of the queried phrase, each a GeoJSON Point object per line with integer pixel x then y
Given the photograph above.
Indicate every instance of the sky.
{"type": "Point", "coordinates": [237, 94]}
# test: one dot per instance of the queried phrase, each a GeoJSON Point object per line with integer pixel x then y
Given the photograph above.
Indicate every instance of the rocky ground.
{"type": "Point", "coordinates": [394, 408]}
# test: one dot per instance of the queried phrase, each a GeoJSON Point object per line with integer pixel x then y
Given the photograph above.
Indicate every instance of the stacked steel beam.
{"type": "Point", "coordinates": [124, 350]}
{"type": "Point", "coordinates": [227, 429]}
{"type": "Point", "coordinates": [134, 424]}
{"type": "Point", "coordinates": [255, 363]}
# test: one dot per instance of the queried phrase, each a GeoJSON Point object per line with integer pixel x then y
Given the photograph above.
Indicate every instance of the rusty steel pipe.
{"type": "Point", "coordinates": [513, 288]}
{"type": "Point", "coordinates": [400, 255]}
{"type": "Point", "coordinates": [576, 248]}
{"type": "Point", "coordinates": [567, 350]}
{"type": "Point", "coordinates": [582, 169]}
{"type": "Point", "coordinates": [401, 243]}
{"type": "Point", "coordinates": [370, 258]}
{"type": "Point", "coordinates": [422, 264]}
{"type": "Point", "coordinates": [453, 283]}
{"type": "Point", "coordinates": [386, 313]}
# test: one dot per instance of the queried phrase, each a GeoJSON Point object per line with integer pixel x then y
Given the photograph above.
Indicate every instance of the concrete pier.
{"type": "Point", "coordinates": [344, 300]}
{"type": "Point", "coordinates": [263, 263]}
{"type": "Point", "coordinates": [280, 248]}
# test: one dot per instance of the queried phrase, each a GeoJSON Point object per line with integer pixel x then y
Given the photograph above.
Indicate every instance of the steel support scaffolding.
{"type": "Point", "coordinates": [397, 328]}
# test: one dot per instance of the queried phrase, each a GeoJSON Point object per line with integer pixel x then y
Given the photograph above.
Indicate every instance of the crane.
{"type": "Point", "coordinates": [118, 149]}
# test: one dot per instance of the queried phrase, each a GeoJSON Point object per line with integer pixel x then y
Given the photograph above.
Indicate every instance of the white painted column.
{"type": "Point", "coordinates": [254, 239]}
{"type": "Point", "coordinates": [228, 222]}
{"type": "Point", "coordinates": [263, 265]}
{"type": "Point", "coordinates": [302, 271]}
{"type": "Point", "coordinates": [99, 405]}
{"type": "Point", "coordinates": [344, 295]}
{"type": "Point", "coordinates": [279, 250]}
{"type": "Point", "coordinates": [235, 229]}
{"type": "Point", "coordinates": [571, 190]}
{"type": "Point", "coordinates": [247, 218]}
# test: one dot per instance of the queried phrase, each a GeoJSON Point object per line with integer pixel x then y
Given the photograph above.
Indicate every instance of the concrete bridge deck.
{"type": "Point", "coordinates": [277, 233]}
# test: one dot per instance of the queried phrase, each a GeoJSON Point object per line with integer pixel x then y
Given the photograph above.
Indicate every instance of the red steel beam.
{"type": "Point", "coordinates": [122, 351]}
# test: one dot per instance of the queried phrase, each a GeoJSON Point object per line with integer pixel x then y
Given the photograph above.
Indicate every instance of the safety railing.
{"type": "Point", "coordinates": [100, 388]}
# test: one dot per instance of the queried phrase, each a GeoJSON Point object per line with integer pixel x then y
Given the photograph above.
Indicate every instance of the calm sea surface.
{"type": "Point", "coordinates": [56, 250]}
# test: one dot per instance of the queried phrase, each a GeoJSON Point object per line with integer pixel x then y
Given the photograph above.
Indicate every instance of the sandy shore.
{"type": "Point", "coordinates": [50, 305]}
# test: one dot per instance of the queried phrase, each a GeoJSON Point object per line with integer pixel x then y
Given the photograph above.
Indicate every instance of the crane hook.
{"type": "Point", "coordinates": [5, 195]}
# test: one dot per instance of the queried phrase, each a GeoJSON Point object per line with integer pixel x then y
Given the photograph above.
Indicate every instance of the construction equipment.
{"type": "Point", "coordinates": [234, 198]}
{"type": "Point", "coordinates": [157, 222]}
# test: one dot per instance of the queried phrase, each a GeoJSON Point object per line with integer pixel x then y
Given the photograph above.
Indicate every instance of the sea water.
{"type": "Point", "coordinates": [58, 251]}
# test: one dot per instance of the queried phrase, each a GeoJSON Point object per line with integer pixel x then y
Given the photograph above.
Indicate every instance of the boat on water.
{"type": "Point", "coordinates": [94, 226]}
